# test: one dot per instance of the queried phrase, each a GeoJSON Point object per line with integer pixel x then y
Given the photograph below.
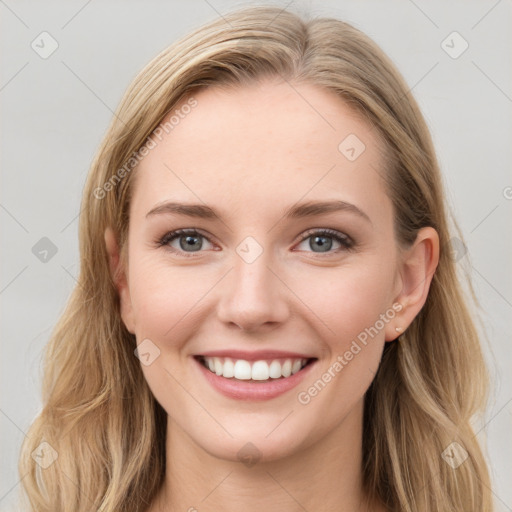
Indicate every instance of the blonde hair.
{"type": "Point", "coordinates": [99, 414]}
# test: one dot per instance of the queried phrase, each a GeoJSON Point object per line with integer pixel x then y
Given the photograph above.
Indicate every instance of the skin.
{"type": "Point", "coordinates": [250, 153]}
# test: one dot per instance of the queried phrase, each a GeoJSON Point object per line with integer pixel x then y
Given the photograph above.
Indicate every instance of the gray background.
{"type": "Point", "coordinates": [56, 109]}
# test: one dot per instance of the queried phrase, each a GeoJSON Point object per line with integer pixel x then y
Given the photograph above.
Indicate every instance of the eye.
{"type": "Point", "coordinates": [189, 241]}
{"type": "Point", "coordinates": [324, 239]}
{"type": "Point", "coordinates": [186, 240]}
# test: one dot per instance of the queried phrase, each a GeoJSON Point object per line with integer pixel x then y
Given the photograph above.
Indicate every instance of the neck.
{"type": "Point", "coordinates": [323, 476]}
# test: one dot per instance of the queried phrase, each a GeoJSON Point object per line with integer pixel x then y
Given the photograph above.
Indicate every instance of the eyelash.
{"type": "Point", "coordinates": [345, 241]}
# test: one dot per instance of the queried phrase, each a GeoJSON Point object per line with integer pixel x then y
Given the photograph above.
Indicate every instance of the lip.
{"type": "Point", "coordinates": [255, 391]}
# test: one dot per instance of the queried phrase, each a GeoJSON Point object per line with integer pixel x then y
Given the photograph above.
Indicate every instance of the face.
{"type": "Point", "coordinates": [262, 278]}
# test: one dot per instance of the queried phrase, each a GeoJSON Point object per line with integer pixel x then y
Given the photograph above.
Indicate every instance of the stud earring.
{"type": "Point", "coordinates": [399, 329]}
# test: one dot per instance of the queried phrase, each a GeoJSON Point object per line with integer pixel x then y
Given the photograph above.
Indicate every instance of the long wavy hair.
{"type": "Point", "coordinates": [99, 415]}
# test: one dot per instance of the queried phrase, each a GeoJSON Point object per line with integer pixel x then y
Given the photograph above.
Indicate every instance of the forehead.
{"type": "Point", "coordinates": [263, 146]}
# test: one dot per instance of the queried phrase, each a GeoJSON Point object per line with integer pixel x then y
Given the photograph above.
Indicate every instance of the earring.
{"type": "Point", "coordinates": [399, 329]}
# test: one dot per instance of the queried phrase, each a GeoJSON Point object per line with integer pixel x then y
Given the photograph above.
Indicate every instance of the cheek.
{"type": "Point", "coordinates": [354, 304]}
{"type": "Point", "coordinates": [346, 300]}
{"type": "Point", "coordinates": [167, 299]}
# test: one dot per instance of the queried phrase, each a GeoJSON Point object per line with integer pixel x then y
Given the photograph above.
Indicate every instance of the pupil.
{"type": "Point", "coordinates": [321, 241]}
{"type": "Point", "coordinates": [190, 242]}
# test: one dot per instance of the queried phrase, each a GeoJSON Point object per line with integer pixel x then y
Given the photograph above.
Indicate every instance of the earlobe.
{"type": "Point", "coordinates": [418, 266]}
{"type": "Point", "coordinates": [119, 278]}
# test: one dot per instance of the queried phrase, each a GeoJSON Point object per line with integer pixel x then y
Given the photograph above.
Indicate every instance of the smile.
{"type": "Point", "coordinates": [261, 370]}
{"type": "Point", "coordinates": [253, 379]}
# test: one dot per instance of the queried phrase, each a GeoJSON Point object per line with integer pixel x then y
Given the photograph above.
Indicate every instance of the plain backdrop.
{"type": "Point", "coordinates": [55, 109]}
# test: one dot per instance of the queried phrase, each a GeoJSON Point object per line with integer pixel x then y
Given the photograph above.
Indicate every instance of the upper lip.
{"type": "Point", "coordinates": [255, 355]}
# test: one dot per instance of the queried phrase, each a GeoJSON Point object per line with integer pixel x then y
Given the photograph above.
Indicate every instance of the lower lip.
{"type": "Point", "coordinates": [250, 390]}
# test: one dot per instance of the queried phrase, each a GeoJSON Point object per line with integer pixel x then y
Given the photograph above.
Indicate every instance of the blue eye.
{"type": "Point", "coordinates": [323, 240]}
{"type": "Point", "coordinates": [190, 241]}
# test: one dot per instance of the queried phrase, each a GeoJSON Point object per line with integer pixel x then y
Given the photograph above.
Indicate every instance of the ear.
{"type": "Point", "coordinates": [119, 277]}
{"type": "Point", "coordinates": [417, 267]}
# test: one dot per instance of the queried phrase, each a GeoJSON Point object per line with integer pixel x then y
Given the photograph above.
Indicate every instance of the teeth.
{"type": "Point", "coordinates": [274, 369]}
{"type": "Point", "coordinates": [296, 366]}
{"type": "Point", "coordinates": [242, 369]}
{"type": "Point", "coordinates": [218, 366]}
{"type": "Point", "coordinates": [228, 368]}
{"type": "Point", "coordinates": [258, 370]}
{"type": "Point", "coordinates": [286, 369]}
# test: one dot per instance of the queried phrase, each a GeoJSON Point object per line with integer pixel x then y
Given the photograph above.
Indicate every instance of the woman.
{"type": "Point", "coordinates": [268, 315]}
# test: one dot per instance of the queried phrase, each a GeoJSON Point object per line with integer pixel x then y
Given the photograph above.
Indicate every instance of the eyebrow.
{"type": "Point", "coordinates": [308, 209]}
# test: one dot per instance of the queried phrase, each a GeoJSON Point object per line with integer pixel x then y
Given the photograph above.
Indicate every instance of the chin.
{"type": "Point", "coordinates": [256, 443]}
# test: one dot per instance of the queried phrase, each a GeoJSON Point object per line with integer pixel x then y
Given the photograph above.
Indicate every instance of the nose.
{"type": "Point", "coordinates": [253, 296]}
